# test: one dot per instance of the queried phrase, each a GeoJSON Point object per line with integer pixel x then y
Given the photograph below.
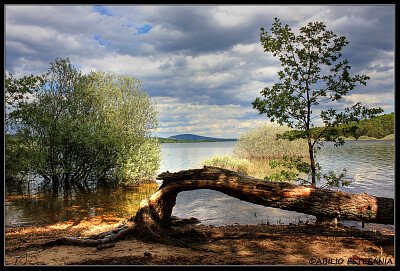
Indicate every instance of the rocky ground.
{"type": "Point", "coordinates": [306, 244]}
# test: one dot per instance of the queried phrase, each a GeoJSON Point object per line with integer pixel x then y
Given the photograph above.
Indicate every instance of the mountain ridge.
{"type": "Point", "coordinates": [193, 137]}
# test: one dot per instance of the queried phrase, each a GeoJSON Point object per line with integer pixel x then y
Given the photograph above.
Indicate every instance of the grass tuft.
{"type": "Point", "coordinates": [225, 161]}
{"type": "Point", "coordinates": [261, 143]}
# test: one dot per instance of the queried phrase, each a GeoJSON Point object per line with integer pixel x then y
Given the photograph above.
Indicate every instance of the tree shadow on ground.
{"type": "Point", "coordinates": [288, 244]}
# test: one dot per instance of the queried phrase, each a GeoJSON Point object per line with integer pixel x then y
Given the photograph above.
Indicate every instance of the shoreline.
{"type": "Point", "coordinates": [390, 137]}
{"type": "Point", "coordinates": [304, 244]}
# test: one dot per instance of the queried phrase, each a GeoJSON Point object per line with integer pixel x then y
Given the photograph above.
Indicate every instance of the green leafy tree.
{"type": "Point", "coordinates": [17, 93]}
{"type": "Point", "coordinates": [377, 127]}
{"type": "Point", "coordinates": [313, 73]}
{"type": "Point", "coordinates": [81, 128]}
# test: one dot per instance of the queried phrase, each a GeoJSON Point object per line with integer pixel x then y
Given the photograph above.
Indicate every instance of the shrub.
{"type": "Point", "coordinates": [81, 128]}
{"type": "Point", "coordinates": [366, 138]}
{"type": "Point", "coordinates": [388, 137]}
{"type": "Point", "coordinates": [225, 161]}
{"type": "Point", "coordinates": [257, 168]}
{"type": "Point", "coordinates": [262, 143]}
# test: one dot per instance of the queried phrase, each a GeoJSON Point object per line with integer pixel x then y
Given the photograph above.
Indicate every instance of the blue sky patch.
{"type": "Point", "coordinates": [102, 10]}
{"type": "Point", "coordinates": [143, 29]}
{"type": "Point", "coordinates": [100, 41]}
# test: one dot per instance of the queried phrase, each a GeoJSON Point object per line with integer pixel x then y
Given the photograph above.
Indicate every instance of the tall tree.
{"type": "Point", "coordinates": [88, 127]}
{"type": "Point", "coordinates": [313, 72]}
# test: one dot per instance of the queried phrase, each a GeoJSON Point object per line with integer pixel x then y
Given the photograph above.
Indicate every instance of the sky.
{"type": "Point", "coordinates": [203, 65]}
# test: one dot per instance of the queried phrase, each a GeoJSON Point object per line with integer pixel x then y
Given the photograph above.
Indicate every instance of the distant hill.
{"type": "Point", "coordinates": [191, 137]}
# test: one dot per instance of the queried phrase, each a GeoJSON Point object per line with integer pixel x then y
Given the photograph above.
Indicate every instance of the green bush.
{"type": "Point", "coordinates": [81, 128]}
{"type": "Point", "coordinates": [262, 143]}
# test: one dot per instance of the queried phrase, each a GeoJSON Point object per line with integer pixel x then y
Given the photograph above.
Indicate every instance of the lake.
{"type": "Point", "coordinates": [369, 163]}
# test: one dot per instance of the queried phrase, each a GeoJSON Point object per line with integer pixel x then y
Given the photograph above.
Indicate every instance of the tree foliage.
{"type": "Point", "coordinates": [313, 73]}
{"type": "Point", "coordinates": [80, 128]}
{"type": "Point", "coordinates": [377, 127]}
{"type": "Point", "coordinates": [17, 94]}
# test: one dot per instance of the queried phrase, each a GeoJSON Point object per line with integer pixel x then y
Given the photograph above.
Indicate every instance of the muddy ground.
{"type": "Point", "coordinates": [315, 244]}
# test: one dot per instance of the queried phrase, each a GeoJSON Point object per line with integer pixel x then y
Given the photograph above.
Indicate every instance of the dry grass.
{"type": "Point", "coordinates": [262, 143]}
{"type": "Point", "coordinates": [366, 138]}
{"type": "Point", "coordinates": [255, 149]}
{"type": "Point", "coordinates": [225, 161]}
{"type": "Point", "coordinates": [388, 137]}
{"type": "Point", "coordinates": [258, 168]}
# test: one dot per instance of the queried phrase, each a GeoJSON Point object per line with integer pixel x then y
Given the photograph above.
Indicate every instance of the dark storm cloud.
{"type": "Point", "coordinates": [38, 33]}
{"type": "Point", "coordinates": [370, 31]}
{"type": "Point", "coordinates": [193, 30]}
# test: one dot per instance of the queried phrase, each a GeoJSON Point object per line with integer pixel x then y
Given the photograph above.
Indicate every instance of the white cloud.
{"type": "Point", "coordinates": [203, 64]}
{"type": "Point", "coordinates": [231, 16]}
{"type": "Point", "coordinates": [369, 100]}
{"type": "Point", "coordinates": [246, 49]}
{"type": "Point", "coordinates": [236, 15]}
{"type": "Point", "coordinates": [209, 120]}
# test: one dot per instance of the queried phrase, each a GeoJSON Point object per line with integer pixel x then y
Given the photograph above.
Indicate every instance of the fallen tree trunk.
{"type": "Point", "coordinates": [153, 217]}
{"type": "Point", "coordinates": [155, 212]}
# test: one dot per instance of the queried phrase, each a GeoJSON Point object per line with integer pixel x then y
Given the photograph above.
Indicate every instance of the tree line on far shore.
{"type": "Point", "coordinates": [377, 127]}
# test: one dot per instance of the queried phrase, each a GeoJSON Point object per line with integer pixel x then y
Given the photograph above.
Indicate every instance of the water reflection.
{"type": "Point", "coordinates": [370, 164]}
{"type": "Point", "coordinates": [49, 208]}
{"type": "Point", "coordinates": [180, 156]}
{"type": "Point", "coordinates": [215, 208]}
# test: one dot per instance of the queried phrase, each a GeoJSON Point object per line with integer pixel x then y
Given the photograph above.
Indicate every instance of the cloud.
{"type": "Point", "coordinates": [57, 32]}
{"type": "Point", "coordinates": [200, 62]}
{"type": "Point", "coordinates": [383, 100]}
{"type": "Point", "coordinates": [369, 29]}
{"type": "Point", "coordinates": [228, 120]}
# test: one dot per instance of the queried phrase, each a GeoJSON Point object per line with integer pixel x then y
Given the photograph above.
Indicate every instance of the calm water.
{"type": "Point", "coordinates": [369, 163]}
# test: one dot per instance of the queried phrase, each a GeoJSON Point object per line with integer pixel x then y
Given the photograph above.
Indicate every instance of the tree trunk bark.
{"type": "Point", "coordinates": [155, 212]}
{"type": "Point", "coordinates": [312, 163]}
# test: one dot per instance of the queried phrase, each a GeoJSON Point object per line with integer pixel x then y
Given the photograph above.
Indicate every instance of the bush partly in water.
{"type": "Point", "coordinates": [257, 168]}
{"type": "Point", "coordinates": [262, 143]}
{"type": "Point", "coordinates": [225, 161]}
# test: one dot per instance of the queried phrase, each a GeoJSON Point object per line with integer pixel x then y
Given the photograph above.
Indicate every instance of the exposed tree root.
{"type": "Point", "coordinates": [95, 240]}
